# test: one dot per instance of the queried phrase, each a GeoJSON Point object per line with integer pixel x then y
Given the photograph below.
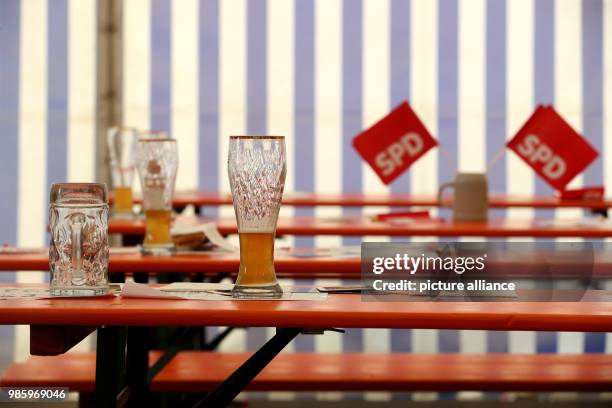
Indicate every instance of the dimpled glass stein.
{"type": "Point", "coordinates": [257, 168]}
{"type": "Point", "coordinates": [157, 163]}
{"type": "Point", "coordinates": [78, 250]}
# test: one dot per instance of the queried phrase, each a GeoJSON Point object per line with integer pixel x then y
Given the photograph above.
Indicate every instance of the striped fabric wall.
{"type": "Point", "coordinates": [317, 71]}
{"type": "Point", "coordinates": [48, 69]}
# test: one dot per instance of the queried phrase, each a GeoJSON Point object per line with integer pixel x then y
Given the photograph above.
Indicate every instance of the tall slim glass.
{"type": "Point", "coordinates": [157, 163]}
{"type": "Point", "coordinates": [121, 146]}
{"type": "Point", "coordinates": [78, 249]}
{"type": "Point", "coordinates": [257, 169]}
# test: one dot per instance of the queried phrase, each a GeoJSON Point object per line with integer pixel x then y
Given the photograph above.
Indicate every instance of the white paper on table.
{"type": "Point", "coordinates": [209, 229]}
{"type": "Point", "coordinates": [136, 290]}
{"type": "Point", "coordinates": [590, 222]}
{"type": "Point", "coordinates": [125, 250]}
{"type": "Point", "coordinates": [204, 291]}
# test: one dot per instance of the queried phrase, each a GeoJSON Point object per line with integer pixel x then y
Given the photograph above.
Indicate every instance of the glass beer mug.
{"type": "Point", "coordinates": [121, 147]}
{"type": "Point", "coordinates": [157, 162]}
{"type": "Point", "coordinates": [257, 169]}
{"type": "Point", "coordinates": [78, 250]}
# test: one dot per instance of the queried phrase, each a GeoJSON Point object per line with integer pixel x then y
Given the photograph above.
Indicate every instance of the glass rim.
{"type": "Point", "coordinates": [264, 137]}
{"type": "Point", "coordinates": [156, 139]}
{"type": "Point", "coordinates": [120, 128]}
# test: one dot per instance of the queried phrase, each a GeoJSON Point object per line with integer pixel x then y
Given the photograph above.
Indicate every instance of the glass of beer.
{"type": "Point", "coordinates": [257, 169]}
{"type": "Point", "coordinates": [78, 248]}
{"type": "Point", "coordinates": [121, 146]}
{"type": "Point", "coordinates": [157, 162]}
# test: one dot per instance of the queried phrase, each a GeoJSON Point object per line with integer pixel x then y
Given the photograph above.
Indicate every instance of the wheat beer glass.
{"type": "Point", "coordinates": [157, 163]}
{"type": "Point", "coordinates": [122, 148]}
{"type": "Point", "coordinates": [257, 168]}
{"type": "Point", "coordinates": [78, 249]}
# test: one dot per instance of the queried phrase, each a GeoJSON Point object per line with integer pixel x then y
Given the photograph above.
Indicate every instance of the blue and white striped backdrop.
{"type": "Point", "coordinates": [317, 71]}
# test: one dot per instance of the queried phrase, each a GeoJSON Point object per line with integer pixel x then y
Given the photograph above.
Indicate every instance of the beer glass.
{"type": "Point", "coordinates": [78, 250]}
{"type": "Point", "coordinates": [121, 147]}
{"type": "Point", "coordinates": [157, 163]}
{"type": "Point", "coordinates": [257, 168]}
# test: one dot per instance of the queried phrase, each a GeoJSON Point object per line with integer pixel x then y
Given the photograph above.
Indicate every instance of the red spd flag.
{"type": "Point", "coordinates": [552, 148]}
{"type": "Point", "coordinates": [394, 143]}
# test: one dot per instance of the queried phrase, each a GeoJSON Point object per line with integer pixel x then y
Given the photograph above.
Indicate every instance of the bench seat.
{"type": "Point", "coordinates": [201, 371]}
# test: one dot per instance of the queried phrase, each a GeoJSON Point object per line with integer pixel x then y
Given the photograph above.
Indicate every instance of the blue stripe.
{"type": "Point", "coordinates": [57, 92]}
{"type": "Point", "coordinates": [496, 120]}
{"type": "Point", "coordinates": [161, 57]}
{"type": "Point", "coordinates": [352, 74]}
{"type": "Point", "coordinates": [544, 72]}
{"type": "Point", "coordinates": [302, 163]}
{"type": "Point", "coordinates": [256, 102]}
{"type": "Point", "coordinates": [400, 91]}
{"type": "Point", "coordinates": [256, 67]}
{"type": "Point", "coordinates": [544, 80]}
{"type": "Point", "coordinates": [448, 29]}
{"type": "Point", "coordinates": [592, 84]}
{"type": "Point", "coordinates": [592, 113]}
{"type": "Point", "coordinates": [208, 115]}
{"type": "Point", "coordinates": [400, 69]}
{"type": "Point", "coordinates": [9, 129]}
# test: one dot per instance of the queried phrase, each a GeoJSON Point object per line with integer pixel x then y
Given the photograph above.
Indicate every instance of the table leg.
{"type": "Point", "coordinates": [235, 383]}
{"type": "Point", "coordinates": [110, 366]}
{"type": "Point", "coordinates": [137, 365]}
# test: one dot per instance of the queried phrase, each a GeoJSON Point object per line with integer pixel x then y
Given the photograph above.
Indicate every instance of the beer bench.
{"type": "Point", "coordinates": [197, 371]}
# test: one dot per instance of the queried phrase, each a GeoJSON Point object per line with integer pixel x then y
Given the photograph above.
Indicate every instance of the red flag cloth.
{"type": "Point", "coordinates": [554, 150]}
{"type": "Point", "coordinates": [394, 143]}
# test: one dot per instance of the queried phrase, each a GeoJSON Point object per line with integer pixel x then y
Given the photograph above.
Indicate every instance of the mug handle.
{"type": "Point", "coordinates": [441, 190]}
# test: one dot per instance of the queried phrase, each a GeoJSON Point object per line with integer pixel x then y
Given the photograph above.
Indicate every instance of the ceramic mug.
{"type": "Point", "coordinates": [471, 196]}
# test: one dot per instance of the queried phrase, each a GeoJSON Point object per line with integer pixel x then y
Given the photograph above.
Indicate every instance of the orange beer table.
{"type": "Point", "coordinates": [120, 322]}
{"type": "Point", "coordinates": [315, 264]}
{"type": "Point", "coordinates": [199, 198]}
{"type": "Point", "coordinates": [360, 226]}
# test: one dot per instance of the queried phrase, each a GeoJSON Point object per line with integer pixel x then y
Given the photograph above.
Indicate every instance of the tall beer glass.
{"type": "Point", "coordinates": [121, 146]}
{"type": "Point", "coordinates": [257, 168]}
{"type": "Point", "coordinates": [157, 162]}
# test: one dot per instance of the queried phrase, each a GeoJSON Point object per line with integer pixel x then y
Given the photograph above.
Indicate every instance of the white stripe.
{"type": "Point", "coordinates": [328, 106]}
{"type": "Point", "coordinates": [82, 80]}
{"type": "Point", "coordinates": [184, 92]}
{"type": "Point", "coordinates": [471, 55]}
{"type": "Point", "coordinates": [137, 63]}
{"type": "Point", "coordinates": [375, 60]}
{"type": "Point", "coordinates": [472, 111]}
{"type": "Point", "coordinates": [424, 88]}
{"type": "Point", "coordinates": [281, 87]}
{"type": "Point", "coordinates": [568, 78]}
{"type": "Point", "coordinates": [607, 96]}
{"type": "Point", "coordinates": [570, 342]}
{"type": "Point", "coordinates": [232, 83]}
{"type": "Point", "coordinates": [32, 183]}
{"type": "Point", "coordinates": [82, 20]}
{"type": "Point", "coordinates": [520, 94]}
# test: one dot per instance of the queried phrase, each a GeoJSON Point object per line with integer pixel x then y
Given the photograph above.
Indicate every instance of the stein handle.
{"type": "Point", "coordinates": [77, 221]}
{"type": "Point", "coordinates": [441, 190]}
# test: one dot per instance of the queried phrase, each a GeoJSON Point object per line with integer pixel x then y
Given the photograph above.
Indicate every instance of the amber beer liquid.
{"type": "Point", "coordinates": [256, 259]}
{"type": "Point", "coordinates": [158, 228]}
{"type": "Point", "coordinates": [123, 199]}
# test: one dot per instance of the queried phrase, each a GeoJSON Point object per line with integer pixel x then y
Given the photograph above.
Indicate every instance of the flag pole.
{"type": "Point", "coordinates": [498, 155]}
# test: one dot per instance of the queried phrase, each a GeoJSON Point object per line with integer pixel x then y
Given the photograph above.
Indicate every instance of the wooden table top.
{"type": "Point", "coordinates": [360, 226]}
{"type": "Point", "coordinates": [314, 263]}
{"type": "Point", "coordinates": [496, 200]}
{"type": "Point", "coordinates": [339, 310]}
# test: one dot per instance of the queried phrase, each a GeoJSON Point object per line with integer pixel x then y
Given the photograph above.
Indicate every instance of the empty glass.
{"type": "Point", "coordinates": [121, 147]}
{"type": "Point", "coordinates": [157, 163]}
{"type": "Point", "coordinates": [78, 251]}
{"type": "Point", "coordinates": [257, 169]}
